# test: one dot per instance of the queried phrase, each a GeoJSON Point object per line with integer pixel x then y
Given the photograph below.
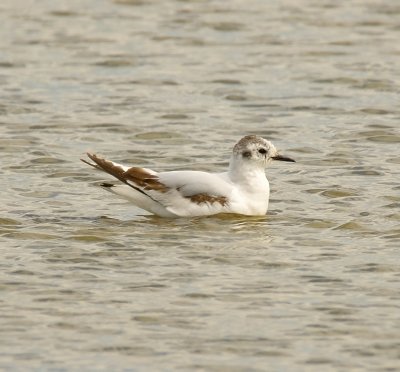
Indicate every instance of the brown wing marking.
{"type": "Point", "coordinates": [144, 179]}
{"type": "Point", "coordinates": [107, 166]}
{"type": "Point", "coordinates": [135, 175]}
{"type": "Point", "coordinates": [205, 198]}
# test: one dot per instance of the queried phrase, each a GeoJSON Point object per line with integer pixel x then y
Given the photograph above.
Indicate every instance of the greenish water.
{"type": "Point", "coordinates": [90, 282]}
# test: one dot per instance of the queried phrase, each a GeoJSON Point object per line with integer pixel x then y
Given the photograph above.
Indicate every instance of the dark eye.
{"type": "Point", "coordinates": [262, 151]}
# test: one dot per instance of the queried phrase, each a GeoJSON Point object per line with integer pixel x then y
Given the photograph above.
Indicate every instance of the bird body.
{"type": "Point", "coordinates": [243, 189]}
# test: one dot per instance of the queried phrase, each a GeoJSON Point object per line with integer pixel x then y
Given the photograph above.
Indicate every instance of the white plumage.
{"type": "Point", "coordinates": [243, 189]}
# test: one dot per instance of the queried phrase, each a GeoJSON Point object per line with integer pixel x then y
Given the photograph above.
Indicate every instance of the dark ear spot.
{"type": "Point", "coordinates": [246, 154]}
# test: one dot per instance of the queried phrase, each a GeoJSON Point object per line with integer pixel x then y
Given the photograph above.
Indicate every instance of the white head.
{"type": "Point", "coordinates": [256, 150]}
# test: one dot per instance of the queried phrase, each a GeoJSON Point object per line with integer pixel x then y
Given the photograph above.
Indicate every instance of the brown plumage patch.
{"type": "Point", "coordinates": [106, 166]}
{"type": "Point", "coordinates": [137, 176]}
{"type": "Point", "coordinates": [205, 198]}
{"type": "Point", "coordinates": [144, 179]}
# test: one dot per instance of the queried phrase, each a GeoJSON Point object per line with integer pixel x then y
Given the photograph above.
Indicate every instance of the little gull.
{"type": "Point", "coordinates": [243, 189]}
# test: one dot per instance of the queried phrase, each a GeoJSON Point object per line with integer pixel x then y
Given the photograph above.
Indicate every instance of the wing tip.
{"type": "Point", "coordinates": [88, 163]}
{"type": "Point", "coordinates": [95, 159]}
{"type": "Point", "coordinates": [91, 155]}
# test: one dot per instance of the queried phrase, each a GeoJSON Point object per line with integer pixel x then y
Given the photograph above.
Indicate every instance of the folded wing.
{"type": "Point", "coordinates": [181, 193]}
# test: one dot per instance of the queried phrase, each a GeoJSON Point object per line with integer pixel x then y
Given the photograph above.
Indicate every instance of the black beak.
{"type": "Point", "coordinates": [283, 158]}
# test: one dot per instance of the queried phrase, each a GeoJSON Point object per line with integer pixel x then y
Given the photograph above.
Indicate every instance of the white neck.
{"type": "Point", "coordinates": [249, 174]}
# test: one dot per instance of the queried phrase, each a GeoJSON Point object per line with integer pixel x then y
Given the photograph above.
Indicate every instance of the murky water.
{"type": "Point", "coordinates": [89, 282]}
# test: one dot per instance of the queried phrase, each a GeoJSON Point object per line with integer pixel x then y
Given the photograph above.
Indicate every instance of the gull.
{"type": "Point", "coordinates": [243, 189]}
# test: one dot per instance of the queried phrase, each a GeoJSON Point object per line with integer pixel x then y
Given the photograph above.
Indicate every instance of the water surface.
{"type": "Point", "coordinates": [90, 282]}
